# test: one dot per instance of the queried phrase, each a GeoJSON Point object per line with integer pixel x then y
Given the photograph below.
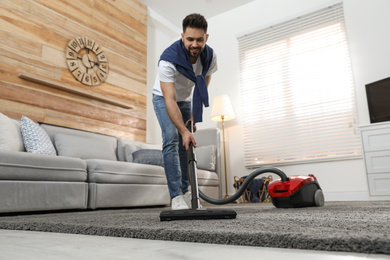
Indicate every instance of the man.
{"type": "Point", "coordinates": [188, 62]}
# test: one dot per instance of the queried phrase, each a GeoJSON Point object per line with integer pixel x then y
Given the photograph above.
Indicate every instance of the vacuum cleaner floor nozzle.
{"type": "Point", "coordinates": [187, 214]}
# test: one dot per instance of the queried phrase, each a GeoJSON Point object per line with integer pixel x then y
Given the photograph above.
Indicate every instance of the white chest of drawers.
{"type": "Point", "coordinates": [376, 147]}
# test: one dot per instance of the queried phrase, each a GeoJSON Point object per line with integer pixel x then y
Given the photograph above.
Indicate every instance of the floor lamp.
{"type": "Point", "coordinates": [222, 110]}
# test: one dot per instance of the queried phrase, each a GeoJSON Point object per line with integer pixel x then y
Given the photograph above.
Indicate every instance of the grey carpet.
{"type": "Point", "coordinates": [339, 226]}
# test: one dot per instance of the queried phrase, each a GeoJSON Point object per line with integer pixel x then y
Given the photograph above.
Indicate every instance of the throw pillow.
{"type": "Point", "coordinates": [205, 157]}
{"type": "Point", "coordinates": [83, 147]}
{"type": "Point", "coordinates": [35, 139]}
{"type": "Point", "coordinates": [149, 156]}
{"type": "Point", "coordinates": [10, 136]}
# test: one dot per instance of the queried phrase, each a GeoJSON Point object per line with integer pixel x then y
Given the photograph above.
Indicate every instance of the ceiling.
{"type": "Point", "coordinates": [175, 10]}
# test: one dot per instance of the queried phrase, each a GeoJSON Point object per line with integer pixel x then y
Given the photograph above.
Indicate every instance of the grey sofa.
{"type": "Point", "coordinates": [93, 171]}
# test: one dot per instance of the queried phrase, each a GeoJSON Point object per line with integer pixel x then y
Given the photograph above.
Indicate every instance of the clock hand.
{"type": "Point", "coordinates": [91, 61]}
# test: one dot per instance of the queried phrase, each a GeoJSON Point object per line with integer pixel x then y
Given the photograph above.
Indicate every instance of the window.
{"type": "Point", "coordinates": [297, 92]}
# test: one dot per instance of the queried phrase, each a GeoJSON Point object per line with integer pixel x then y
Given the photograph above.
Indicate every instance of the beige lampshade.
{"type": "Point", "coordinates": [222, 107]}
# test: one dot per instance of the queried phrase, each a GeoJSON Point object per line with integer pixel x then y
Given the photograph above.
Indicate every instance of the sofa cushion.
{"type": "Point", "coordinates": [40, 167]}
{"type": "Point", "coordinates": [83, 147]}
{"type": "Point", "coordinates": [146, 156]}
{"type": "Point", "coordinates": [133, 146]}
{"type": "Point", "coordinates": [207, 178]}
{"type": "Point", "coordinates": [206, 157]}
{"type": "Point", "coordinates": [10, 135]}
{"type": "Point", "coordinates": [128, 151]}
{"type": "Point", "coordinates": [35, 139]}
{"type": "Point", "coordinates": [103, 171]}
{"type": "Point", "coordinates": [52, 130]}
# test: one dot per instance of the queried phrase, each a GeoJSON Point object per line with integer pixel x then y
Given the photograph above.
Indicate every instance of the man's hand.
{"type": "Point", "coordinates": [188, 138]}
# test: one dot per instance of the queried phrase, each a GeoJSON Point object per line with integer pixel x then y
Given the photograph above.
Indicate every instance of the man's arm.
{"type": "Point", "coordinates": [169, 92]}
{"type": "Point", "coordinates": [208, 79]}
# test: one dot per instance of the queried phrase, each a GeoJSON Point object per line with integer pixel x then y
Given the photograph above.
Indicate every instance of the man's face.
{"type": "Point", "coordinates": [194, 41]}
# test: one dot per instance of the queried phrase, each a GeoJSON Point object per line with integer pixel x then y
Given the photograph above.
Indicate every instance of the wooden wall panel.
{"type": "Point", "coordinates": [34, 35]}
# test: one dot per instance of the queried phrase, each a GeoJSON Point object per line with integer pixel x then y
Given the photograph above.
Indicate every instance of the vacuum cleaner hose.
{"type": "Point", "coordinates": [244, 185]}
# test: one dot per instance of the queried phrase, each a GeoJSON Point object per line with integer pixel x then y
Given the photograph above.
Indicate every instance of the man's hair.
{"type": "Point", "coordinates": [195, 21]}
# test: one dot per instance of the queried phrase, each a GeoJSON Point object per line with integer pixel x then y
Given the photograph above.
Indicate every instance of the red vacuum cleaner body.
{"type": "Point", "coordinates": [297, 191]}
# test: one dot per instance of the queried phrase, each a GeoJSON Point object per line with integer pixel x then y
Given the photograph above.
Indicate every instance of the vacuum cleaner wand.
{"type": "Point", "coordinates": [196, 211]}
{"type": "Point", "coordinates": [195, 202]}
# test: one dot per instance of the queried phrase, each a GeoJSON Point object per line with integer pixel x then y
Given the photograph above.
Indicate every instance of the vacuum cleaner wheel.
{"type": "Point", "coordinates": [319, 198]}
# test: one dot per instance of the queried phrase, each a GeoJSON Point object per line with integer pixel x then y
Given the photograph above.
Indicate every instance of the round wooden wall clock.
{"type": "Point", "coordinates": [87, 61]}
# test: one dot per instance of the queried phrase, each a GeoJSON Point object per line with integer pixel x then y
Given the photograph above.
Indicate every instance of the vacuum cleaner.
{"type": "Point", "coordinates": [286, 192]}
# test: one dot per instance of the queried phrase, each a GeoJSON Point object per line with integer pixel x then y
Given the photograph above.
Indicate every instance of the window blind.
{"type": "Point", "coordinates": [297, 91]}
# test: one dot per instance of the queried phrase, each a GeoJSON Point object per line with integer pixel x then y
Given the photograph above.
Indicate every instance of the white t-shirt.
{"type": "Point", "coordinates": [167, 73]}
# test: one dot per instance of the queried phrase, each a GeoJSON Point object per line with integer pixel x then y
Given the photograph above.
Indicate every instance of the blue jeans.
{"type": "Point", "coordinates": [174, 153]}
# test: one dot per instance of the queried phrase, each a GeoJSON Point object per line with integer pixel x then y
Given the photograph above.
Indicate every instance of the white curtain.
{"type": "Point", "coordinates": [297, 91]}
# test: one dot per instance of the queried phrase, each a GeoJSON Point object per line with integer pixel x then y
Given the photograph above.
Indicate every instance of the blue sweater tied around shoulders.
{"type": "Point", "coordinates": [177, 54]}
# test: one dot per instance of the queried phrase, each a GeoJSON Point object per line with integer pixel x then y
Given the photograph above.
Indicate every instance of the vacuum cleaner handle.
{"type": "Point", "coordinates": [190, 128]}
{"type": "Point", "coordinates": [192, 170]}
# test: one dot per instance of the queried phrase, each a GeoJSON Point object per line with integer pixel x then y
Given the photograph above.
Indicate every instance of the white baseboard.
{"type": "Point", "coordinates": [347, 196]}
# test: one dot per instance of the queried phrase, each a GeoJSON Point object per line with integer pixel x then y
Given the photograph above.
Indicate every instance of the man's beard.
{"type": "Point", "coordinates": [192, 54]}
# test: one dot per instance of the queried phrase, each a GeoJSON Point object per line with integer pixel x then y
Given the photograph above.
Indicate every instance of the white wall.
{"type": "Point", "coordinates": [161, 34]}
{"type": "Point", "coordinates": [367, 24]}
